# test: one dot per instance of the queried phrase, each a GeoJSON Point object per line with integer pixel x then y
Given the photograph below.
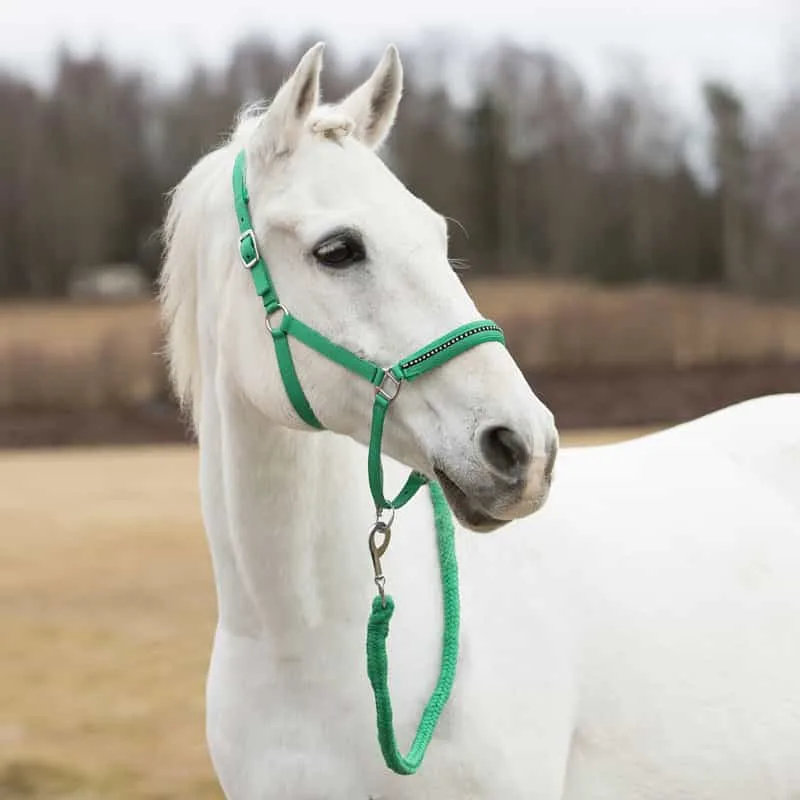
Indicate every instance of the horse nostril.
{"type": "Point", "coordinates": [505, 451]}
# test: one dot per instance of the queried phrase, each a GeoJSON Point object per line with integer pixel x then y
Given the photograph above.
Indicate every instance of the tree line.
{"type": "Point", "coordinates": [538, 173]}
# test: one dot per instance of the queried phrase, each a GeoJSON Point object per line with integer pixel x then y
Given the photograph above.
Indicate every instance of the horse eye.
{"type": "Point", "coordinates": [340, 251]}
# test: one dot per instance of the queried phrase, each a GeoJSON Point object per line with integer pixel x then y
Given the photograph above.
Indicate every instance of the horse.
{"type": "Point", "coordinates": [630, 619]}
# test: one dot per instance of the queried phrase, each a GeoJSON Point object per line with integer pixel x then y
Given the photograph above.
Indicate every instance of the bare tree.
{"type": "Point", "coordinates": [731, 155]}
{"type": "Point", "coordinates": [511, 145]}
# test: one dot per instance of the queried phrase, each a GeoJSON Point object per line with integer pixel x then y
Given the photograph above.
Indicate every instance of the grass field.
{"type": "Point", "coordinates": [107, 611]}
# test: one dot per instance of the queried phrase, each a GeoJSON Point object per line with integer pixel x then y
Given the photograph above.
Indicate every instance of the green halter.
{"type": "Point", "coordinates": [387, 382]}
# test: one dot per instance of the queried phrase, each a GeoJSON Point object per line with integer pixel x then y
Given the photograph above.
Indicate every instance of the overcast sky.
{"type": "Point", "coordinates": [749, 41]}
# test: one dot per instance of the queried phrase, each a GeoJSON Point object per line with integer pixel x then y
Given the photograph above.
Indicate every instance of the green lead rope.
{"type": "Point", "coordinates": [377, 665]}
{"type": "Point", "coordinates": [387, 382]}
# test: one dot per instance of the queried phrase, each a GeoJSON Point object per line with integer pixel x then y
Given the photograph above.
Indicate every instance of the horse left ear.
{"type": "Point", "coordinates": [280, 128]}
{"type": "Point", "coordinates": [373, 106]}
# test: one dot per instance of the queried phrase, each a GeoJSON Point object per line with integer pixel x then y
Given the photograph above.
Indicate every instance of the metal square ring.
{"type": "Point", "coordinates": [392, 390]}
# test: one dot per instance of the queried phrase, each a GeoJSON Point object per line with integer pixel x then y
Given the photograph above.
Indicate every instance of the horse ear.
{"type": "Point", "coordinates": [373, 106]}
{"type": "Point", "coordinates": [279, 129]}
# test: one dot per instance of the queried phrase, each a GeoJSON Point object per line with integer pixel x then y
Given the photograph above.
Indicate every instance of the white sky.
{"type": "Point", "coordinates": [749, 41]}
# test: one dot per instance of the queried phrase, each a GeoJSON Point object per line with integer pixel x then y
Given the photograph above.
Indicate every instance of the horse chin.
{"type": "Point", "coordinates": [467, 512]}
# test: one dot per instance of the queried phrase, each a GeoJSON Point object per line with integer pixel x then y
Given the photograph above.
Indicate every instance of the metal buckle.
{"type": "Point", "coordinates": [249, 234]}
{"type": "Point", "coordinates": [388, 393]}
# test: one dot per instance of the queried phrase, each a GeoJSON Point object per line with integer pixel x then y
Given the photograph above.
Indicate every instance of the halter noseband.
{"type": "Point", "coordinates": [387, 381]}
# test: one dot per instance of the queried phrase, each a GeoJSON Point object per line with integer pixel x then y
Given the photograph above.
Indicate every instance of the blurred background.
{"type": "Point", "coordinates": [623, 184]}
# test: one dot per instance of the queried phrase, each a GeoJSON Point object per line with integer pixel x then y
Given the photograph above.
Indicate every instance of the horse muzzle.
{"type": "Point", "coordinates": [509, 479]}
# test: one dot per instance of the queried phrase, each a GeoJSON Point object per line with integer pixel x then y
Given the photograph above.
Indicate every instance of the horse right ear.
{"type": "Point", "coordinates": [279, 129]}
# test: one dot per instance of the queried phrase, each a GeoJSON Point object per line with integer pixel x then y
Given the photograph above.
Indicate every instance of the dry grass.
{"type": "Point", "coordinates": [565, 324]}
{"type": "Point", "coordinates": [105, 645]}
{"type": "Point", "coordinates": [90, 355]}
{"type": "Point", "coordinates": [70, 327]}
{"type": "Point", "coordinates": [101, 689]}
{"type": "Point", "coordinates": [66, 355]}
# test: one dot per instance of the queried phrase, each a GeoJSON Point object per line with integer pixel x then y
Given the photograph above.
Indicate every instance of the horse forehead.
{"type": "Point", "coordinates": [346, 175]}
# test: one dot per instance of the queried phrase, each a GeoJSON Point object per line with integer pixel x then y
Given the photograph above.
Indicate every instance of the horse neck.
{"type": "Point", "coordinates": [279, 507]}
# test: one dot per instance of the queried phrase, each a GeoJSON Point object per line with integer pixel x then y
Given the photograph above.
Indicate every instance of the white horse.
{"type": "Point", "coordinates": [637, 638]}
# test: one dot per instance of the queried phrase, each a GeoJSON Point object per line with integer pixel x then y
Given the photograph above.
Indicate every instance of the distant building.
{"type": "Point", "coordinates": [110, 282]}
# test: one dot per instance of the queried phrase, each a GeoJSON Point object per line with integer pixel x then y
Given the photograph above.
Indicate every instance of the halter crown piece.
{"type": "Point", "coordinates": [387, 382]}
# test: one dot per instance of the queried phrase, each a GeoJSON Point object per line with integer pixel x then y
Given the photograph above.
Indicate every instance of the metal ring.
{"type": "Point", "coordinates": [379, 514]}
{"type": "Point", "coordinates": [280, 307]}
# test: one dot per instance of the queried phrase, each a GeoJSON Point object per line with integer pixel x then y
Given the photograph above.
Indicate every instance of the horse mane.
{"type": "Point", "coordinates": [184, 232]}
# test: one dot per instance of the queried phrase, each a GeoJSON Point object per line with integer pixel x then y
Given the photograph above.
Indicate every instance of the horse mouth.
{"type": "Point", "coordinates": [468, 513]}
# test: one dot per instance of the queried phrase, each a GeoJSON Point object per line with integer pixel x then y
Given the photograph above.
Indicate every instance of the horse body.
{"type": "Point", "coordinates": [636, 638]}
{"type": "Point", "coordinates": [679, 567]}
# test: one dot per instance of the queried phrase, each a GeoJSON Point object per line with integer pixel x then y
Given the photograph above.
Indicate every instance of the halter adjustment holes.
{"type": "Point", "coordinates": [340, 250]}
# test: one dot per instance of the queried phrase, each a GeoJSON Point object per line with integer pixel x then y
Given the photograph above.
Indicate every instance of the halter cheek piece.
{"type": "Point", "coordinates": [387, 382]}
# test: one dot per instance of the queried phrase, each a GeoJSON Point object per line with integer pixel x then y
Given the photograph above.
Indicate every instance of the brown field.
{"type": "Point", "coordinates": [92, 355]}
{"type": "Point", "coordinates": [105, 645]}
{"type": "Point", "coordinates": [566, 324]}
{"type": "Point", "coordinates": [79, 355]}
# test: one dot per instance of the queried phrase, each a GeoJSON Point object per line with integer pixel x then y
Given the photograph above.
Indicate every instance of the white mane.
{"type": "Point", "coordinates": [206, 187]}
